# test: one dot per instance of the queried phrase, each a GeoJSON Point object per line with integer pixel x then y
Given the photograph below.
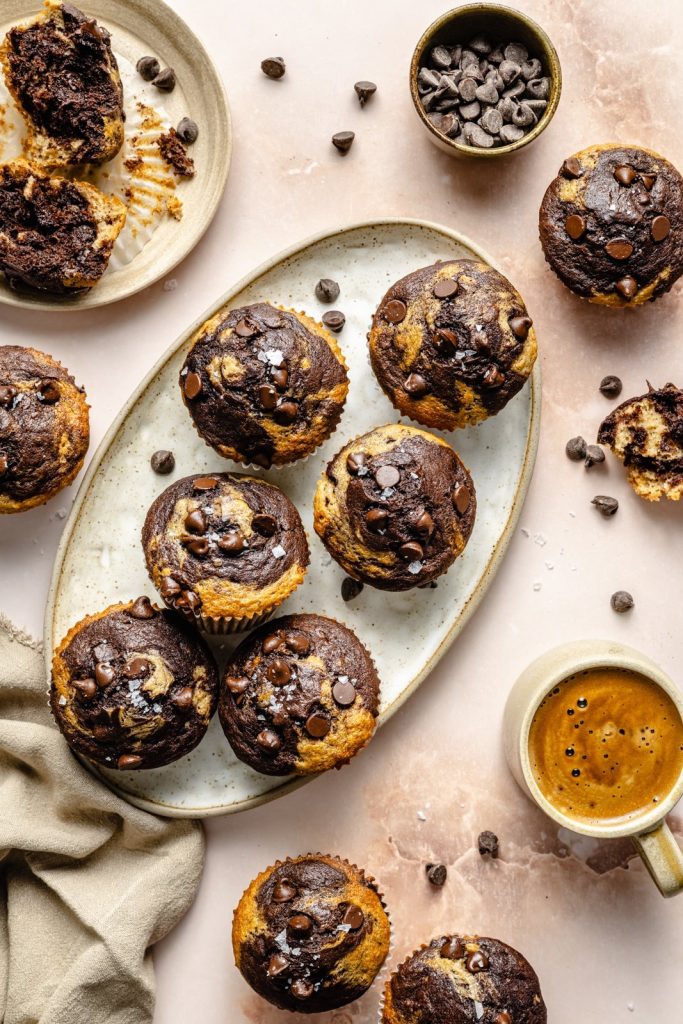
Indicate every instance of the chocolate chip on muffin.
{"type": "Point", "coordinates": [310, 933]}
{"type": "Point", "coordinates": [464, 979]}
{"type": "Point", "coordinates": [395, 507]}
{"type": "Point", "coordinates": [611, 225]}
{"type": "Point", "coordinates": [451, 344]}
{"type": "Point", "coordinates": [133, 687]}
{"type": "Point", "coordinates": [65, 81]}
{"type": "Point", "coordinates": [224, 549]}
{"type": "Point", "coordinates": [264, 385]}
{"type": "Point", "coordinates": [300, 694]}
{"type": "Point", "coordinates": [44, 428]}
{"type": "Point", "coordinates": [646, 434]}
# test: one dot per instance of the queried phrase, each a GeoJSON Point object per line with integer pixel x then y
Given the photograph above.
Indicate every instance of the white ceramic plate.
{"type": "Point", "coordinates": [138, 28]}
{"type": "Point", "coordinates": [100, 559]}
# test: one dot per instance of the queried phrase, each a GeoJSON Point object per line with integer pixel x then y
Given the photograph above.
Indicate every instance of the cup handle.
{"type": "Point", "coordinates": [663, 858]}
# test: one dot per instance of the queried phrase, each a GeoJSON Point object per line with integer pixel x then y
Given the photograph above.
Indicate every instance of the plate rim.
{"type": "Point", "coordinates": [89, 300]}
{"type": "Point", "coordinates": [485, 578]}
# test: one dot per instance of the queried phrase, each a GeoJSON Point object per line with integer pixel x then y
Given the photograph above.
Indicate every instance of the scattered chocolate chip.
{"type": "Point", "coordinates": [86, 687]}
{"type": "Point", "coordinates": [453, 949]}
{"type": "Point", "coordinates": [48, 391]}
{"type": "Point", "coordinates": [317, 725]}
{"type": "Point", "coordinates": [627, 287]}
{"type": "Point", "coordinates": [182, 698]}
{"type": "Point", "coordinates": [477, 962]}
{"type": "Point", "coordinates": [356, 461]}
{"type": "Point", "coordinates": [576, 449]}
{"type": "Point", "coordinates": [285, 413]}
{"type": "Point", "coordinates": [187, 131]}
{"type": "Point", "coordinates": [575, 226]}
{"type": "Point", "coordinates": [195, 521]}
{"type": "Point", "coordinates": [269, 740]}
{"type": "Point", "coordinates": [327, 290]}
{"type": "Point", "coordinates": [446, 341]}
{"type": "Point", "coordinates": [278, 672]}
{"type": "Point", "coordinates": [424, 525]}
{"type": "Point", "coordinates": [188, 599]}
{"type": "Point", "coordinates": [163, 462]}
{"type": "Point", "coordinates": [354, 917]}
{"type": "Point", "coordinates": [436, 874]}
{"type": "Point", "coordinates": [137, 668]}
{"type": "Point", "coordinates": [571, 168]}
{"type": "Point", "coordinates": [594, 455]}
{"type": "Point", "coordinates": [461, 498]}
{"type": "Point", "coordinates": [245, 329]}
{"type": "Point", "coordinates": [301, 989]}
{"type": "Point", "coordinates": [334, 320]}
{"type": "Point", "coordinates": [283, 892]}
{"type": "Point", "coordinates": [605, 505]}
{"type": "Point", "coordinates": [165, 81]}
{"type": "Point", "coordinates": [344, 693]}
{"type": "Point", "coordinates": [350, 588]}
{"type": "Point", "coordinates": [199, 546]}
{"type": "Point", "coordinates": [610, 386]}
{"type": "Point", "coordinates": [192, 386]}
{"type": "Point", "coordinates": [300, 924]}
{"type": "Point", "coordinates": [280, 376]}
{"type": "Point", "coordinates": [487, 843]}
{"type": "Point", "coordinates": [298, 643]}
{"type": "Point", "coordinates": [395, 311]}
{"type": "Point", "coordinates": [264, 524]}
{"type": "Point", "coordinates": [342, 141]}
{"type": "Point", "coordinates": [625, 174]}
{"type": "Point", "coordinates": [7, 395]}
{"type": "Point", "coordinates": [126, 762]}
{"type": "Point", "coordinates": [273, 67]}
{"type": "Point", "coordinates": [277, 965]}
{"type": "Point", "coordinates": [387, 476]}
{"type": "Point", "coordinates": [621, 601]}
{"type": "Point", "coordinates": [660, 228]}
{"type": "Point", "coordinates": [233, 543]}
{"type": "Point", "coordinates": [376, 519]}
{"type": "Point", "coordinates": [142, 608]}
{"type": "Point", "coordinates": [415, 385]}
{"type": "Point", "coordinates": [446, 288]}
{"type": "Point", "coordinates": [273, 643]}
{"type": "Point", "coordinates": [364, 91]}
{"type": "Point", "coordinates": [648, 181]}
{"type": "Point", "coordinates": [502, 1017]}
{"type": "Point", "coordinates": [204, 483]}
{"type": "Point", "coordinates": [169, 587]}
{"type": "Point", "coordinates": [520, 326]}
{"type": "Point", "coordinates": [267, 396]}
{"type": "Point", "coordinates": [148, 68]}
{"type": "Point", "coordinates": [237, 685]}
{"type": "Point", "coordinates": [104, 675]}
{"type": "Point", "coordinates": [493, 378]}
{"type": "Point", "coordinates": [411, 551]}
{"type": "Point", "coordinates": [619, 249]}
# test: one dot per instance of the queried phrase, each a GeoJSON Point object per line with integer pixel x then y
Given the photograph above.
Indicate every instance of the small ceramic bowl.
{"type": "Point", "coordinates": [498, 23]}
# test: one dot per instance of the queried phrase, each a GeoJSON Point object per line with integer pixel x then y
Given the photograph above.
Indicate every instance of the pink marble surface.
{"type": "Point", "coordinates": [602, 940]}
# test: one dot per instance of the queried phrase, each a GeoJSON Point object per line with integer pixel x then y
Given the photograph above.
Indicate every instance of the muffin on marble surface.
{"type": "Point", "coordinates": [133, 686]}
{"type": "Point", "coordinates": [300, 695]}
{"type": "Point", "coordinates": [451, 344]}
{"type": "Point", "coordinates": [310, 933]}
{"type": "Point", "coordinates": [646, 434]}
{"type": "Point", "coordinates": [56, 234]}
{"type": "Point", "coordinates": [63, 76]}
{"type": "Point", "coordinates": [224, 549]}
{"type": "Point", "coordinates": [464, 979]}
{"type": "Point", "coordinates": [264, 385]}
{"type": "Point", "coordinates": [395, 507]}
{"type": "Point", "coordinates": [44, 428]}
{"type": "Point", "coordinates": [611, 224]}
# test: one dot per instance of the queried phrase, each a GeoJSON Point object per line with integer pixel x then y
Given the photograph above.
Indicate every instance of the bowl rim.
{"type": "Point", "coordinates": [555, 73]}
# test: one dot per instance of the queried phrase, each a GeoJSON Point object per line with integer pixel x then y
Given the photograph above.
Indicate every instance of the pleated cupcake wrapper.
{"type": "Point", "coordinates": [388, 974]}
{"type": "Point", "coordinates": [226, 624]}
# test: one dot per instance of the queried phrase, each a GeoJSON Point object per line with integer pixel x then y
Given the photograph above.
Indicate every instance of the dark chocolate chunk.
{"type": "Point", "coordinates": [317, 725]}
{"type": "Point", "coordinates": [165, 81]}
{"type": "Point", "coordinates": [187, 131]}
{"type": "Point", "coordinates": [487, 843]}
{"type": "Point", "coordinates": [576, 449]}
{"type": "Point", "coordinates": [621, 601]}
{"type": "Point", "coordinates": [342, 141]}
{"type": "Point", "coordinates": [437, 874]}
{"type": "Point", "coordinates": [148, 68]}
{"type": "Point", "coordinates": [192, 386]}
{"type": "Point", "coordinates": [273, 67]}
{"type": "Point", "coordinates": [327, 290]}
{"type": "Point", "coordinates": [142, 608]}
{"type": "Point", "coordinates": [395, 311]}
{"type": "Point", "coordinates": [350, 588]}
{"type": "Point", "coordinates": [387, 476]}
{"type": "Point", "coordinates": [605, 505]}
{"type": "Point", "coordinates": [610, 386]}
{"type": "Point", "coordinates": [364, 91]}
{"type": "Point", "coordinates": [334, 320]}
{"type": "Point", "coordinates": [163, 462]}
{"type": "Point", "coordinates": [594, 455]}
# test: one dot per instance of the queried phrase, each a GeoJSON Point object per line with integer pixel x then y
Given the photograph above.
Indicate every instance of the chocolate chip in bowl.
{"type": "Point", "coordinates": [485, 80]}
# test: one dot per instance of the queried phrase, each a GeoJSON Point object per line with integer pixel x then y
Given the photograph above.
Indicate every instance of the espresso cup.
{"type": "Point", "coordinates": [648, 829]}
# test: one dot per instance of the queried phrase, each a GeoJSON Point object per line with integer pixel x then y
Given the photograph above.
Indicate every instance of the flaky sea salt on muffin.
{"type": "Point", "coordinates": [224, 549]}
{"type": "Point", "coordinates": [395, 507]}
{"type": "Point", "coordinates": [464, 979]}
{"type": "Point", "coordinates": [264, 385]}
{"type": "Point", "coordinates": [311, 933]}
{"type": "Point", "coordinates": [451, 344]}
{"type": "Point", "coordinates": [133, 686]}
{"type": "Point", "coordinates": [300, 694]}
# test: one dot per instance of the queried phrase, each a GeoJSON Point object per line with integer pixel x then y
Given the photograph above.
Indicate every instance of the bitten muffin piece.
{"type": "Point", "coordinates": [611, 225]}
{"type": "Point", "coordinates": [300, 695]}
{"type": "Point", "coordinates": [264, 385]}
{"type": "Point", "coordinates": [452, 343]}
{"type": "Point", "coordinates": [310, 933]}
{"type": "Point", "coordinates": [56, 235]}
{"type": "Point", "coordinates": [133, 687]}
{"type": "Point", "coordinates": [646, 434]}
{"type": "Point", "coordinates": [64, 78]}
{"type": "Point", "coordinates": [464, 979]}
{"type": "Point", "coordinates": [224, 549]}
{"type": "Point", "coordinates": [395, 507]}
{"type": "Point", "coordinates": [44, 428]}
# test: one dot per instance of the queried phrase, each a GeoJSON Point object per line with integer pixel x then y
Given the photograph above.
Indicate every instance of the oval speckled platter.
{"type": "Point", "coordinates": [140, 27]}
{"type": "Point", "coordinates": [100, 558]}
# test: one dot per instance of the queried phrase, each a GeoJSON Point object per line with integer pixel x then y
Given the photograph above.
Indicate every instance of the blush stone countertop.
{"type": "Point", "coordinates": [602, 940]}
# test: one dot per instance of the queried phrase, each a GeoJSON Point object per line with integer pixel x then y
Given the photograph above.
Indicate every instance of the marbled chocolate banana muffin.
{"type": "Point", "coordinates": [451, 344]}
{"type": "Point", "coordinates": [310, 933]}
{"type": "Point", "coordinates": [224, 549]}
{"type": "Point", "coordinates": [44, 428]}
{"type": "Point", "coordinates": [646, 434]}
{"type": "Point", "coordinates": [395, 507]}
{"type": "Point", "coordinates": [464, 979]}
{"type": "Point", "coordinates": [65, 81]}
{"type": "Point", "coordinates": [133, 686]}
{"type": "Point", "coordinates": [264, 385]}
{"type": "Point", "coordinates": [300, 695]}
{"type": "Point", "coordinates": [56, 234]}
{"type": "Point", "coordinates": [611, 225]}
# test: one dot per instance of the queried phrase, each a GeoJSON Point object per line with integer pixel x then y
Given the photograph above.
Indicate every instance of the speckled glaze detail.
{"type": "Point", "coordinates": [225, 548]}
{"type": "Point", "coordinates": [395, 507]}
{"type": "Point", "coordinates": [44, 428]}
{"type": "Point", "coordinates": [300, 695]}
{"type": "Point", "coordinates": [452, 343]}
{"type": "Point", "coordinates": [646, 434]}
{"type": "Point", "coordinates": [133, 687]}
{"type": "Point", "coordinates": [65, 81]}
{"type": "Point", "coordinates": [264, 385]}
{"type": "Point", "coordinates": [464, 979]}
{"type": "Point", "coordinates": [611, 224]}
{"type": "Point", "coordinates": [311, 933]}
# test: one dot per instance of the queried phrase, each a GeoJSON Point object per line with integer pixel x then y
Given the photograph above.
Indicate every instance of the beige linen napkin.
{"type": "Point", "coordinates": [88, 882]}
